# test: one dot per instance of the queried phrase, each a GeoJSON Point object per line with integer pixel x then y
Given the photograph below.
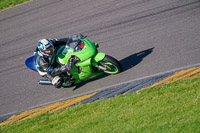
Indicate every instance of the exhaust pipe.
{"type": "Point", "coordinates": [44, 82]}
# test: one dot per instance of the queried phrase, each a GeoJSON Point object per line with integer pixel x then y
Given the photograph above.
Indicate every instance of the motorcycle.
{"type": "Point", "coordinates": [89, 62]}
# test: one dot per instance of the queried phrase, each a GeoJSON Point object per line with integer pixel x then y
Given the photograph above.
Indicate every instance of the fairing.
{"type": "Point", "coordinates": [75, 48]}
{"type": "Point", "coordinates": [30, 63]}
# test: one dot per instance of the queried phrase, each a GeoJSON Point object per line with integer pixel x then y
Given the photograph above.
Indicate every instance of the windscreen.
{"type": "Point", "coordinates": [74, 45]}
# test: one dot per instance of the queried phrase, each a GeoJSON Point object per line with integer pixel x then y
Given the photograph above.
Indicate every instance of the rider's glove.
{"type": "Point", "coordinates": [66, 67]}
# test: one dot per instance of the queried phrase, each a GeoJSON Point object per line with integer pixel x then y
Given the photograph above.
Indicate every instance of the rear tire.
{"type": "Point", "coordinates": [110, 65]}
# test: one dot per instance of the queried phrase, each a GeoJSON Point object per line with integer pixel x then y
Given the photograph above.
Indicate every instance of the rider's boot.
{"type": "Point", "coordinates": [56, 81]}
{"type": "Point", "coordinates": [54, 75]}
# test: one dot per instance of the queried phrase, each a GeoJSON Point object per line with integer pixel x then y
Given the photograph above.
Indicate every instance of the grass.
{"type": "Point", "coordinates": [10, 3]}
{"type": "Point", "coordinates": [169, 108]}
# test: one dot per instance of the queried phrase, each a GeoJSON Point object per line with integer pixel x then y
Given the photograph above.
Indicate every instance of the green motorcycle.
{"type": "Point", "coordinates": [89, 62]}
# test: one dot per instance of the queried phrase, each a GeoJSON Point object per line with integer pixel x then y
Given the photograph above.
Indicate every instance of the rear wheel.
{"type": "Point", "coordinates": [110, 65]}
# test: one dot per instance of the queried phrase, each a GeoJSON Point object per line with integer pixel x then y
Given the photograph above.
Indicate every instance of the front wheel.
{"type": "Point", "coordinates": [110, 65]}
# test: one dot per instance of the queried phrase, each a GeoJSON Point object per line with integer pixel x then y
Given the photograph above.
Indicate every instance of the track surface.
{"type": "Point", "coordinates": [147, 36]}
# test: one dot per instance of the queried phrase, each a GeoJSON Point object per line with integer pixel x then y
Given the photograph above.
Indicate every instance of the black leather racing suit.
{"type": "Point", "coordinates": [47, 66]}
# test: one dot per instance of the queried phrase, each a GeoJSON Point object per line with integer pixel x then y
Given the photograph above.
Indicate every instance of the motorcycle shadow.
{"type": "Point", "coordinates": [135, 59]}
{"type": "Point", "coordinates": [127, 63]}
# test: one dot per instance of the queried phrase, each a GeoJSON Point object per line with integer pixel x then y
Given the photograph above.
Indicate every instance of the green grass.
{"type": "Point", "coordinates": [10, 3]}
{"type": "Point", "coordinates": [169, 108]}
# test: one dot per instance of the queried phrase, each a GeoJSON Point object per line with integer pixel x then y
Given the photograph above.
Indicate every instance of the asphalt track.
{"type": "Point", "coordinates": [133, 86]}
{"type": "Point", "coordinates": [147, 36]}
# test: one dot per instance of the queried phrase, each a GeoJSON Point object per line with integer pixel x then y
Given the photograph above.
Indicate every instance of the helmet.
{"type": "Point", "coordinates": [45, 47]}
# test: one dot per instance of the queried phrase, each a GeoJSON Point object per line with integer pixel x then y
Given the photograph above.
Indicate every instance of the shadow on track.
{"type": "Point", "coordinates": [127, 63]}
{"type": "Point", "coordinates": [133, 60]}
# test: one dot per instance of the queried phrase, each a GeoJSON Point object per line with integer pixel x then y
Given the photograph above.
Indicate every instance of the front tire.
{"type": "Point", "coordinates": [110, 65]}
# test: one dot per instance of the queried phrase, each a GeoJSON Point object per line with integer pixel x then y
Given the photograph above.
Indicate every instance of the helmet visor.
{"type": "Point", "coordinates": [48, 51]}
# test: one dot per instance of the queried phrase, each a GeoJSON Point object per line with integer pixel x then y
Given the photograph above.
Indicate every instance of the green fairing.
{"type": "Point", "coordinates": [86, 53]}
{"type": "Point", "coordinates": [98, 57]}
{"type": "Point", "coordinates": [89, 57]}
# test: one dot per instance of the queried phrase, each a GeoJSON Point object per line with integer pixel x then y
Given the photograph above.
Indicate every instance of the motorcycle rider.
{"type": "Point", "coordinates": [45, 59]}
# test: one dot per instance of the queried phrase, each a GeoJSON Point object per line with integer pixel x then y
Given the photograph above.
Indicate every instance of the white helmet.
{"type": "Point", "coordinates": [45, 47]}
